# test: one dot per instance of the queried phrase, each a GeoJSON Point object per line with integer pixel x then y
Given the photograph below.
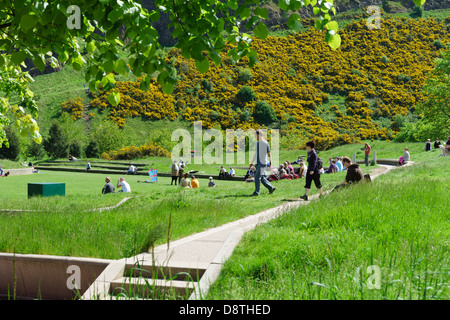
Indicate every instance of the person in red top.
{"type": "Point", "coordinates": [366, 153]}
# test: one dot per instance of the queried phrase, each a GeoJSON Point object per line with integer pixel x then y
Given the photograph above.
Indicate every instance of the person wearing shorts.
{"type": "Point", "coordinates": [312, 173]}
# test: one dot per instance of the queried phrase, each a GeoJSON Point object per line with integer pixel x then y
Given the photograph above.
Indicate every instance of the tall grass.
{"type": "Point", "coordinates": [399, 224]}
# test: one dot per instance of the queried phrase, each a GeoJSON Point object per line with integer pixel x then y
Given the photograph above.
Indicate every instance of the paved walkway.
{"type": "Point", "coordinates": [208, 250]}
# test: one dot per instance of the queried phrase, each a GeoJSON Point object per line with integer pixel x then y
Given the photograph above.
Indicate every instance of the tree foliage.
{"type": "Point", "coordinates": [11, 149]}
{"type": "Point", "coordinates": [56, 144]}
{"type": "Point", "coordinates": [86, 35]}
{"type": "Point", "coordinates": [436, 108]}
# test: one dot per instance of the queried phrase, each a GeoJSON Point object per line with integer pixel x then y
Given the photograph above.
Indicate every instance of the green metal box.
{"type": "Point", "coordinates": [46, 189]}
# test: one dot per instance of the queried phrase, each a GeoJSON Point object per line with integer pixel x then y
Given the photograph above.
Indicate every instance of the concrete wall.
{"type": "Point", "coordinates": [46, 277]}
{"type": "Point", "coordinates": [19, 172]}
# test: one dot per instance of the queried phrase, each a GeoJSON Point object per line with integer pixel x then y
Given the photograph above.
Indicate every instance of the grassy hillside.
{"type": "Point", "coordinates": [333, 97]}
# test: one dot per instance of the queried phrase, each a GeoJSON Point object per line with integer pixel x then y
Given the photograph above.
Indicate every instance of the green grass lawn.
{"type": "Point", "coordinates": [64, 225]}
{"type": "Point", "coordinates": [399, 225]}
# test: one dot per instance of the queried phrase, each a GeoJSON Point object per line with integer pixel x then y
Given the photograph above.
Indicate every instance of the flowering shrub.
{"type": "Point", "coordinates": [133, 152]}
{"type": "Point", "coordinates": [74, 108]}
{"type": "Point", "coordinates": [379, 72]}
{"type": "Point", "coordinates": [152, 104]}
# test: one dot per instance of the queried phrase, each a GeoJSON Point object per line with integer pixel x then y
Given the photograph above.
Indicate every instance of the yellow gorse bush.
{"type": "Point", "coordinates": [133, 152]}
{"type": "Point", "coordinates": [74, 108]}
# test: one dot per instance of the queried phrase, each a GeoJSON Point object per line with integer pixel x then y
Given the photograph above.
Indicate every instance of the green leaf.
{"type": "Point", "coordinates": [334, 41]}
{"type": "Point", "coordinates": [202, 65]}
{"type": "Point", "coordinates": [28, 21]}
{"type": "Point", "coordinates": [114, 15]}
{"type": "Point", "coordinates": [114, 98]}
{"type": "Point", "coordinates": [332, 25]}
{"type": "Point", "coordinates": [261, 31]}
{"type": "Point", "coordinates": [168, 88]}
{"type": "Point", "coordinates": [262, 13]}
{"type": "Point", "coordinates": [294, 22]}
{"type": "Point", "coordinates": [144, 84]}
{"type": "Point", "coordinates": [18, 57]}
{"type": "Point", "coordinates": [39, 62]}
{"type": "Point", "coordinates": [419, 3]}
{"type": "Point", "coordinates": [90, 47]}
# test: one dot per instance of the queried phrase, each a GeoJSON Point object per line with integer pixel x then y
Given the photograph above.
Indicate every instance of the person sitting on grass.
{"type": "Point", "coordinates": [231, 173]}
{"type": "Point", "coordinates": [125, 186]}
{"type": "Point", "coordinates": [250, 172]}
{"type": "Point", "coordinates": [211, 183]}
{"type": "Point", "coordinates": [222, 173]}
{"type": "Point", "coordinates": [131, 169]}
{"type": "Point", "coordinates": [302, 170]}
{"type": "Point", "coordinates": [339, 164]}
{"type": "Point", "coordinates": [194, 183]}
{"type": "Point", "coordinates": [88, 166]}
{"type": "Point", "coordinates": [332, 168]}
{"type": "Point", "coordinates": [186, 183]}
{"type": "Point", "coordinates": [405, 158]}
{"type": "Point", "coordinates": [291, 168]}
{"type": "Point", "coordinates": [108, 187]}
{"type": "Point", "coordinates": [437, 144]}
{"type": "Point", "coordinates": [428, 145]}
{"type": "Point", "coordinates": [444, 151]}
{"type": "Point", "coordinates": [354, 173]}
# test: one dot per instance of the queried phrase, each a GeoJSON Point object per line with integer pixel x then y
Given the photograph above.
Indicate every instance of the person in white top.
{"type": "Point", "coordinates": [232, 173]}
{"type": "Point", "coordinates": [131, 169]}
{"type": "Point", "coordinates": [125, 186]}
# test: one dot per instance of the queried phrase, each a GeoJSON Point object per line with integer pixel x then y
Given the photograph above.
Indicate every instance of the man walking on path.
{"type": "Point", "coordinates": [312, 171]}
{"type": "Point", "coordinates": [262, 151]}
{"type": "Point", "coordinates": [366, 153]}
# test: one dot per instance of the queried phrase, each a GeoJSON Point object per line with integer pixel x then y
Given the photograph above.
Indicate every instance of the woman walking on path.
{"type": "Point", "coordinates": [312, 171]}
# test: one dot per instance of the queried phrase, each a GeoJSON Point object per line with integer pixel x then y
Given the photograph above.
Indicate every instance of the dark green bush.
{"type": "Point", "coordinates": [246, 94]}
{"type": "Point", "coordinates": [56, 144]}
{"type": "Point", "coordinates": [92, 150]}
{"type": "Point", "coordinates": [12, 150]}
{"type": "Point", "coordinates": [264, 113]}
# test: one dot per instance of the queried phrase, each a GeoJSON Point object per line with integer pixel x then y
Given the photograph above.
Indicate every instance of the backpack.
{"type": "Point", "coordinates": [319, 163]}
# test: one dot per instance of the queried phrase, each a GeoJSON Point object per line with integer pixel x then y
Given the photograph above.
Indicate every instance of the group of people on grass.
{"type": "Point", "coordinates": [312, 172]}
{"type": "Point", "coordinates": [193, 183]}
{"type": "Point", "coordinates": [224, 175]}
{"type": "Point", "coordinates": [311, 169]}
{"type": "Point", "coordinates": [121, 183]}
{"type": "Point", "coordinates": [445, 149]}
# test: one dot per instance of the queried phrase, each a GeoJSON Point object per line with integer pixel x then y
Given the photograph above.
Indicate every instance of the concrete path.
{"type": "Point", "coordinates": [208, 250]}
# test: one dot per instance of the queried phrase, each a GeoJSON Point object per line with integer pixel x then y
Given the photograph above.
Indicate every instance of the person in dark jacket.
{"type": "Point", "coordinates": [428, 145]}
{"type": "Point", "coordinates": [354, 173]}
{"type": "Point", "coordinates": [437, 143]}
{"type": "Point", "coordinates": [312, 173]}
{"type": "Point", "coordinates": [108, 187]}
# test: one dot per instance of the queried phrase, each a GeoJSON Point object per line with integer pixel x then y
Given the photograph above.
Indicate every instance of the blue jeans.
{"type": "Point", "coordinates": [260, 176]}
{"type": "Point", "coordinates": [366, 159]}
